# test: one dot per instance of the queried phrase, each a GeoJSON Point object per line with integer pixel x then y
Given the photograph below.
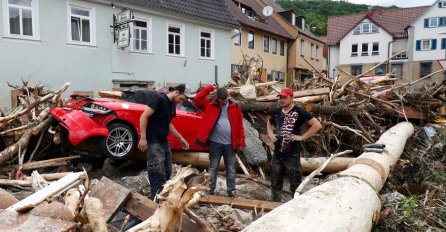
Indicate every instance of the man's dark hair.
{"type": "Point", "coordinates": [222, 93]}
{"type": "Point", "coordinates": [181, 88]}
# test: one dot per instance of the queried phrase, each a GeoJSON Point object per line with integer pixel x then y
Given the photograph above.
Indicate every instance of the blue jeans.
{"type": "Point", "coordinates": [216, 151]}
{"type": "Point", "coordinates": [159, 166]}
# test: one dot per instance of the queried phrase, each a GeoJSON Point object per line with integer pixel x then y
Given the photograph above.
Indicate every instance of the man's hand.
{"type": "Point", "coordinates": [273, 137]}
{"type": "Point", "coordinates": [215, 85]}
{"type": "Point", "coordinates": [142, 144]}
{"type": "Point", "coordinates": [185, 144]}
{"type": "Point", "coordinates": [296, 138]}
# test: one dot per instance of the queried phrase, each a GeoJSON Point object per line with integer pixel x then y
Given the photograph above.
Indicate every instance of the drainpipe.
{"type": "Point", "coordinates": [287, 60]}
{"type": "Point", "coordinates": [328, 63]}
{"type": "Point", "coordinates": [388, 55]}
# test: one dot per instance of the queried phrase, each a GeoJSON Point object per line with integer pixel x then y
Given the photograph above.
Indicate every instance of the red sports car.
{"type": "Point", "coordinates": [116, 122]}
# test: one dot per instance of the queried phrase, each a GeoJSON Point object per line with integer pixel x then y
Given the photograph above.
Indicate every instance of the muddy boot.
{"type": "Point", "coordinates": [276, 195]}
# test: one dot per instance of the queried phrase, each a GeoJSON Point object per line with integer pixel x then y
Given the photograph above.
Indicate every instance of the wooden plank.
{"type": "Point", "coordinates": [298, 94]}
{"type": "Point", "coordinates": [41, 164]}
{"type": "Point", "coordinates": [50, 191]}
{"type": "Point", "coordinates": [142, 208]}
{"type": "Point", "coordinates": [112, 196]}
{"type": "Point", "coordinates": [15, 222]}
{"type": "Point", "coordinates": [240, 203]}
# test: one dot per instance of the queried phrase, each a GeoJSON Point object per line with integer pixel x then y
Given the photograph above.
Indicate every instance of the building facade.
{"type": "Point", "coordinates": [53, 42]}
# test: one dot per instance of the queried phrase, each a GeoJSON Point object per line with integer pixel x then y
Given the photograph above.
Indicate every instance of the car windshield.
{"type": "Point", "coordinates": [187, 106]}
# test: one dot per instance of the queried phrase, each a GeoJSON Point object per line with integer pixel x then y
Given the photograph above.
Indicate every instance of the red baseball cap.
{"type": "Point", "coordinates": [285, 92]}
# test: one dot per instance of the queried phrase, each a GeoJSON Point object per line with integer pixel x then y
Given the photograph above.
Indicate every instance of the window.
{"type": "Point", "coordinates": [312, 51]}
{"type": "Point", "coordinates": [375, 49]}
{"type": "Point", "coordinates": [302, 45]}
{"type": "Point", "coordinates": [278, 76]}
{"type": "Point", "coordinates": [206, 43]}
{"type": "Point", "coordinates": [442, 4]}
{"type": "Point", "coordinates": [141, 36]}
{"type": "Point", "coordinates": [317, 52]}
{"type": "Point", "coordinates": [354, 50]}
{"type": "Point", "coordinates": [274, 46]}
{"type": "Point", "coordinates": [356, 70]}
{"type": "Point", "coordinates": [365, 28]}
{"type": "Point", "coordinates": [266, 43]}
{"type": "Point", "coordinates": [397, 70]}
{"type": "Point", "coordinates": [425, 68]}
{"type": "Point", "coordinates": [237, 37]}
{"type": "Point", "coordinates": [81, 24]}
{"type": "Point", "coordinates": [381, 70]}
{"type": "Point", "coordinates": [426, 44]}
{"type": "Point", "coordinates": [21, 19]}
{"type": "Point", "coordinates": [400, 56]}
{"type": "Point", "coordinates": [282, 48]}
{"type": "Point", "coordinates": [281, 77]}
{"type": "Point", "coordinates": [433, 22]}
{"type": "Point", "coordinates": [365, 49]}
{"type": "Point", "coordinates": [235, 68]}
{"type": "Point", "coordinates": [175, 41]}
{"type": "Point", "coordinates": [251, 39]}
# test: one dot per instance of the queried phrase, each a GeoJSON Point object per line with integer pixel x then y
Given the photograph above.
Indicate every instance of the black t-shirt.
{"type": "Point", "coordinates": [287, 124]}
{"type": "Point", "coordinates": [158, 126]}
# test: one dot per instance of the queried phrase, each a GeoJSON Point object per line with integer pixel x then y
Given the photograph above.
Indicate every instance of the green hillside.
{"type": "Point", "coordinates": [316, 12]}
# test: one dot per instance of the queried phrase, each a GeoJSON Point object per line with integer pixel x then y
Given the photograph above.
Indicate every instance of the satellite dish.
{"type": "Point", "coordinates": [267, 11]}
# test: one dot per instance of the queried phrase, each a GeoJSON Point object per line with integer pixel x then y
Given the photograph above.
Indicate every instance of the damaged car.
{"type": "Point", "coordinates": [113, 125]}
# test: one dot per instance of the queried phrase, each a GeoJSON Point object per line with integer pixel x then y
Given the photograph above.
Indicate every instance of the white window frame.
{"type": "Point", "coordinates": [364, 53]}
{"type": "Point", "coordinates": [237, 37]}
{"type": "Point", "coordinates": [436, 20]}
{"type": "Point", "coordinates": [443, 4]}
{"type": "Point", "coordinates": [253, 40]}
{"type": "Point", "coordinates": [429, 47]}
{"type": "Point", "coordinates": [212, 32]}
{"type": "Point", "coordinates": [147, 20]}
{"type": "Point", "coordinates": [312, 51]}
{"type": "Point", "coordinates": [317, 52]}
{"type": "Point", "coordinates": [266, 38]}
{"type": "Point", "coordinates": [302, 47]}
{"type": "Point", "coordinates": [182, 38]}
{"type": "Point", "coordinates": [274, 48]}
{"type": "Point", "coordinates": [35, 21]}
{"type": "Point", "coordinates": [373, 51]}
{"type": "Point", "coordinates": [357, 49]}
{"type": "Point", "coordinates": [362, 28]}
{"type": "Point", "coordinates": [92, 19]}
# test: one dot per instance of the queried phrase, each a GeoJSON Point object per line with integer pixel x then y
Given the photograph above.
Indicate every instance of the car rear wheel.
{"type": "Point", "coordinates": [120, 141]}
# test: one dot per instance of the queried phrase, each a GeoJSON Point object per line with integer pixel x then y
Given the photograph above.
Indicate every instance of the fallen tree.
{"type": "Point", "coordinates": [348, 203]}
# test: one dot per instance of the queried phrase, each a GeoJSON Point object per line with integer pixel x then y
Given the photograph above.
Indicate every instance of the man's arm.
{"type": "Point", "coordinates": [143, 120]}
{"type": "Point", "coordinates": [242, 140]}
{"type": "Point", "coordinates": [177, 134]}
{"type": "Point", "coordinates": [315, 126]}
{"type": "Point", "coordinates": [202, 97]}
{"type": "Point", "coordinates": [270, 130]}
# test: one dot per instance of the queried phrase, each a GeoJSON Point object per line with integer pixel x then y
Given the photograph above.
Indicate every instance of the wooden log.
{"type": "Point", "coordinates": [71, 199]}
{"type": "Point", "coordinates": [54, 210]}
{"type": "Point", "coordinates": [15, 222]}
{"type": "Point", "coordinates": [51, 176]}
{"type": "Point", "coordinates": [53, 190]}
{"type": "Point", "coordinates": [40, 164]}
{"type": "Point", "coordinates": [239, 203]}
{"type": "Point", "coordinates": [336, 165]}
{"type": "Point", "coordinates": [257, 106]}
{"type": "Point", "coordinates": [196, 159]}
{"type": "Point", "coordinates": [6, 199]}
{"type": "Point", "coordinates": [93, 209]}
{"type": "Point", "coordinates": [10, 151]}
{"type": "Point", "coordinates": [348, 203]}
{"type": "Point", "coordinates": [298, 94]}
{"type": "Point", "coordinates": [43, 126]}
{"type": "Point", "coordinates": [310, 99]}
{"type": "Point", "coordinates": [112, 195]}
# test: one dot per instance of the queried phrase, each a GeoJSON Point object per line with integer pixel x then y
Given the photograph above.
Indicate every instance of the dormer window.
{"type": "Point", "coordinates": [365, 28]}
{"type": "Point", "coordinates": [248, 11]}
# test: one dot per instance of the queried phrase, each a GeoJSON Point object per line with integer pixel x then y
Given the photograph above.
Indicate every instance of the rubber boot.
{"type": "Point", "coordinates": [276, 195]}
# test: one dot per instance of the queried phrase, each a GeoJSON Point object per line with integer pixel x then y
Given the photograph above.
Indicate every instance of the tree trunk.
{"type": "Point", "coordinates": [71, 200]}
{"type": "Point", "coordinates": [93, 210]}
{"type": "Point", "coordinates": [349, 203]}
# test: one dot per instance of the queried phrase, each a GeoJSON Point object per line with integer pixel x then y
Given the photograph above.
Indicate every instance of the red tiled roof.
{"type": "Point", "coordinates": [393, 21]}
{"type": "Point", "coordinates": [271, 25]}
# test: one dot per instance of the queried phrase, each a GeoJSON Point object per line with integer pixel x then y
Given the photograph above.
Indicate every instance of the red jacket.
{"type": "Point", "coordinates": [212, 112]}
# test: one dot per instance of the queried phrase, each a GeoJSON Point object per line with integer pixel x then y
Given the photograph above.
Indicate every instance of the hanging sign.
{"type": "Point", "coordinates": [124, 17]}
{"type": "Point", "coordinates": [123, 37]}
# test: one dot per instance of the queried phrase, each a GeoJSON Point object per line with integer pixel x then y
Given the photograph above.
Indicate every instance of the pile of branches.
{"type": "Point", "coordinates": [30, 118]}
{"type": "Point", "coordinates": [353, 110]}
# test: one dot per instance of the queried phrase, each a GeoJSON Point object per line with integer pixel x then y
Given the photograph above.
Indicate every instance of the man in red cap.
{"type": "Point", "coordinates": [284, 130]}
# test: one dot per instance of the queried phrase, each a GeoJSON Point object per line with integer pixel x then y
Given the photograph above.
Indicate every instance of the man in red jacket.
{"type": "Point", "coordinates": [222, 129]}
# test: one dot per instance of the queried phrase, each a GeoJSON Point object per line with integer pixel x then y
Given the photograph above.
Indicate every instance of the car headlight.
{"type": "Point", "coordinates": [92, 109]}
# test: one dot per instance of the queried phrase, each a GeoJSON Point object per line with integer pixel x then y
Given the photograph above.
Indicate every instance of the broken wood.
{"type": "Point", "coordinates": [361, 127]}
{"type": "Point", "coordinates": [53, 190]}
{"type": "Point", "coordinates": [298, 94]}
{"type": "Point", "coordinates": [239, 161]}
{"type": "Point", "coordinates": [239, 203]}
{"type": "Point", "coordinates": [197, 219]}
{"type": "Point", "coordinates": [40, 164]}
{"type": "Point", "coordinates": [195, 159]}
{"type": "Point", "coordinates": [71, 199]}
{"type": "Point", "coordinates": [176, 194]}
{"type": "Point", "coordinates": [93, 210]}
{"type": "Point", "coordinates": [6, 199]}
{"type": "Point", "coordinates": [54, 210]}
{"type": "Point", "coordinates": [347, 203]}
{"type": "Point", "coordinates": [112, 195]}
{"type": "Point", "coordinates": [336, 165]}
{"type": "Point", "coordinates": [22, 183]}
{"type": "Point", "coordinates": [38, 182]}
{"type": "Point", "coordinates": [15, 222]}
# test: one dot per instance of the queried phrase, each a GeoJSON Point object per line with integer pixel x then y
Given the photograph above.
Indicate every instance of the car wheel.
{"type": "Point", "coordinates": [120, 141]}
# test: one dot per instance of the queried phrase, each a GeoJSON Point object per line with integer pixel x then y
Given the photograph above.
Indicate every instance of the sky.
{"type": "Point", "coordinates": [399, 3]}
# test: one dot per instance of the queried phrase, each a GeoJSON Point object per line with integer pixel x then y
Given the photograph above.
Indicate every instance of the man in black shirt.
{"type": "Point", "coordinates": [287, 121]}
{"type": "Point", "coordinates": [155, 125]}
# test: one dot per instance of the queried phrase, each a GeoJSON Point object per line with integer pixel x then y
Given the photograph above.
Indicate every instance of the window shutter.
{"type": "Point", "coordinates": [426, 23]}
{"type": "Point", "coordinates": [439, 4]}
{"type": "Point", "coordinates": [443, 43]}
{"type": "Point", "coordinates": [418, 46]}
{"type": "Point", "coordinates": [440, 21]}
{"type": "Point", "coordinates": [434, 44]}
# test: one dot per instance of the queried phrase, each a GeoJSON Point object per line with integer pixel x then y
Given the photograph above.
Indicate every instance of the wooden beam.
{"type": "Point", "coordinates": [142, 208]}
{"type": "Point", "coordinates": [15, 222]}
{"type": "Point", "coordinates": [298, 94]}
{"type": "Point", "coordinates": [41, 164]}
{"type": "Point", "coordinates": [112, 195]}
{"type": "Point", "coordinates": [240, 203]}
